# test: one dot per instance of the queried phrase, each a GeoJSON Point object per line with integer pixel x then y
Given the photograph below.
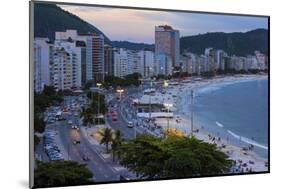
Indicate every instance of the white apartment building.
{"type": "Point", "coordinates": [220, 59]}
{"type": "Point", "coordinates": [262, 59]}
{"type": "Point", "coordinates": [189, 63]}
{"type": "Point", "coordinates": [120, 63]}
{"type": "Point", "coordinates": [41, 63]}
{"type": "Point", "coordinates": [146, 63]}
{"type": "Point", "coordinates": [66, 65]}
{"type": "Point", "coordinates": [134, 62]}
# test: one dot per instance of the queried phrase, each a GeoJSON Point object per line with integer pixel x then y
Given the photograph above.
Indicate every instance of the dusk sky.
{"type": "Point", "coordinates": [138, 25]}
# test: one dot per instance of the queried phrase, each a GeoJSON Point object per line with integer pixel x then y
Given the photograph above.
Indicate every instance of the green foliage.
{"type": "Point", "coordinates": [107, 137]}
{"type": "Point", "coordinates": [237, 43]}
{"type": "Point", "coordinates": [48, 97]}
{"type": "Point", "coordinates": [98, 103]}
{"type": "Point", "coordinates": [39, 124]}
{"type": "Point", "coordinates": [61, 173]}
{"type": "Point", "coordinates": [88, 117]}
{"type": "Point", "coordinates": [132, 46]}
{"type": "Point", "coordinates": [36, 141]}
{"type": "Point", "coordinates": [128, 80]}
{"type": "Point", "coordinates": [171, 157]}
{"type": "Point", "coordinates": [116, 144]}
{"type": "Point", "coordinates": [99, 121]}
{"type": "Point", "coordinates": [50, 18]}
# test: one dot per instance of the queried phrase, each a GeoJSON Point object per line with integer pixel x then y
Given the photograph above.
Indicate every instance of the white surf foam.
{"type": "Point", "coordinates": [219, 124]}
{"type": "Point", "coordinates": [247, 140]}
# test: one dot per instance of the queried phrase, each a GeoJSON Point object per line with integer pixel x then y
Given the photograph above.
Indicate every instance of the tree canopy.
{"type": "Point", "coordinates": [131, 79]}
{"type": "Point", "coordinates": [61, 173]}
{"type": "Point", "coordinates": [173, 157]}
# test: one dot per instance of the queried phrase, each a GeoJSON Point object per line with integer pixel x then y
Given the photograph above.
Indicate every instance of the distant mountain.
{"type": "Point", "coordinates": [237, 43]}
{"type": "Point", "coordinates": [49, 18]}
{"type": "Point", "coordinates": [132, 45]}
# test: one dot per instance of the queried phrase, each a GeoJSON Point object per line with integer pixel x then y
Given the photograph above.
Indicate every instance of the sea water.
{"type": "Point", "coordinates": [236, 111]}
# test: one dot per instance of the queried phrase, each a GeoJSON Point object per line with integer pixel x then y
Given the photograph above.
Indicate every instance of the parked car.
{"type": "Point", "coordinates": [130, 124]}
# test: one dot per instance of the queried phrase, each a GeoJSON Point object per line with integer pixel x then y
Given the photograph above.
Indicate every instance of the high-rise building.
{"type": "Point", "coordinates": [120, 62]}
{"type": "Point", "coordinates": [220, 59]}
{"type": "Point", "coordinates": [167, 42]}
{"type": "Point", "coordinates": [41, 63]}
{"type": "Point", "coordinates": [134, 64]}
{"type": "Point", "coordinates": [189, 63]}
{"type": "Point", "coordinates": [95, 58]}
{"type": "Point", "coordinates": [108, 60]}
{"type": "Point", "coordinates": [163, 64]}
{"type": "Point", "coordinates": [82, 46]}
{"type": "Point", "coordinates": [65, 65]}
{"type": "Point", "coordinates": [211, 64]}
{"type": "Point", "coordinates": [146, 63]}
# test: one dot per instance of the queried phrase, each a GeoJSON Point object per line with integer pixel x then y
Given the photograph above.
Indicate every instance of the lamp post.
{"type": "Point", "coordinates": [151, 84]}
{"type": "Point", "coordinates": [166, 84]}
{"type": "Point", "coordinates": [191, 118]}
{"type": "Point", "coordinates": [120, 91]}
{"type": "Point", "coordinates": [98, 85]}
{"type": "Point", "coordinates": [168, 106]}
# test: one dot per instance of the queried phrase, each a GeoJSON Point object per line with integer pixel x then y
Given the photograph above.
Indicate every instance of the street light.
{"type": "Point", "coordinates": [98, 85]}
{"type": "Point", "coordinates": [191, 118]}
{"type": "Point", "coordinates": [168, 106]}
{"type": "Point", "coordinates": [166, 84]}
{"type": "Point", "coordinates": [120, 91]}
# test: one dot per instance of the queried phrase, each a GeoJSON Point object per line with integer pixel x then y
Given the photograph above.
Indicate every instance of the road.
{"type": "Point", "coordinates": [103, 169]}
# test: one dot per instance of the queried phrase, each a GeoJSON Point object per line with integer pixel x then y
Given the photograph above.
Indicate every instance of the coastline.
{"type": "Point", "coordinates": [254, 161]}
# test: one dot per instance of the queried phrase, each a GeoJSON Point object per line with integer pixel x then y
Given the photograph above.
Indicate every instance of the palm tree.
{"type": "Point", "coordinates": [116, 143]}
{"type": "Point", "coordinates": [106, 137]}
{"type": "Point", "coordinates": [87, 116]}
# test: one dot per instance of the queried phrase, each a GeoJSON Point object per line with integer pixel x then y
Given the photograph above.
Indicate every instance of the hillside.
{"type": "Point", "coordinates": [237, 43]}
{"type": "Point", "coordinates": [132, 46]}
{"type": "Point", "coordinates": [50, 18]}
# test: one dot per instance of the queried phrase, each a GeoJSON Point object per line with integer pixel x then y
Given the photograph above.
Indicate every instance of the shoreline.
{"type": "Point", "coordinates": [254, 161]}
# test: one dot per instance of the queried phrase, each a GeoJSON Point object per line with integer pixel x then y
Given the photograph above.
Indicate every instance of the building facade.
{"type": "Point", "coordinates": [41, 63]}
{"type": "Point", "coordinates": [163, 64]}
{"type": "Point", "coordinates": [108, 60]}
{"type": "Point", "coordinates": [167, 42]}
{"type": "Point", "coordinates": [95, 58]}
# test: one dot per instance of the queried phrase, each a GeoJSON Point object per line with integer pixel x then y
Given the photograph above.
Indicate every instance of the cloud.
{"type": "Point", "coordinates": [138, 25]}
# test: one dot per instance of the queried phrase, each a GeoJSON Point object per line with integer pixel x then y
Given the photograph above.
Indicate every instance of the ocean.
{"type": "Point", "coordinates": [235, 111]}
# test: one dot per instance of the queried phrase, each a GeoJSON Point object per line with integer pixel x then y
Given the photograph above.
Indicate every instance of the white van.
{"type": "Point", "coordinates": [130, 124]}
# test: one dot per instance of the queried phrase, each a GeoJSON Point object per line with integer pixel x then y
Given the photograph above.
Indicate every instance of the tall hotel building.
{"type": "Point", "coordinates": [108, 60]}
{"type": "Point", "coordinates": [167, 42]}
{"type": "Point", "coordinates": [95, 69]}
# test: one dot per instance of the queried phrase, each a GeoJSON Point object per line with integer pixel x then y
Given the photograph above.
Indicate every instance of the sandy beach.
{"type": "Point", "coordinates": [246, 159]}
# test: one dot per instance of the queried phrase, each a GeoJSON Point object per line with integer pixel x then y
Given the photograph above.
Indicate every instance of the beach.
{"type": "Point", "coordinates": [247, 159]}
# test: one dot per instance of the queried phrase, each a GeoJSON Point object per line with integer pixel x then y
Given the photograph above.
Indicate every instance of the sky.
{"type": "Point", "coordinates": [138, 25]}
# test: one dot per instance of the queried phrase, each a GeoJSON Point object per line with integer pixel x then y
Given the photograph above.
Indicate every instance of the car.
{"type": "Point", "coordinates": [69, 122]}
{"type": "Point", "coordinates": [130, 124]}
{"type": "Point", "coordinates": [85, 158]}
{"type": "Point", "coordinates": [125, 177]}
{"type": "Point", "coordinates": [114, 118]}
{"type": "Point", "coordinates": [76, 142]}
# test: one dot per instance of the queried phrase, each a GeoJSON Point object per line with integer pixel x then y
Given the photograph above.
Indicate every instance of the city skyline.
{"type": "Point", "coordinates": [138, 25]}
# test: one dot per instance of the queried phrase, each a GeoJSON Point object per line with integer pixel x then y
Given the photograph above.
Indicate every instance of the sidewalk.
{"type": "Point", "coordinates": [100, 149]}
